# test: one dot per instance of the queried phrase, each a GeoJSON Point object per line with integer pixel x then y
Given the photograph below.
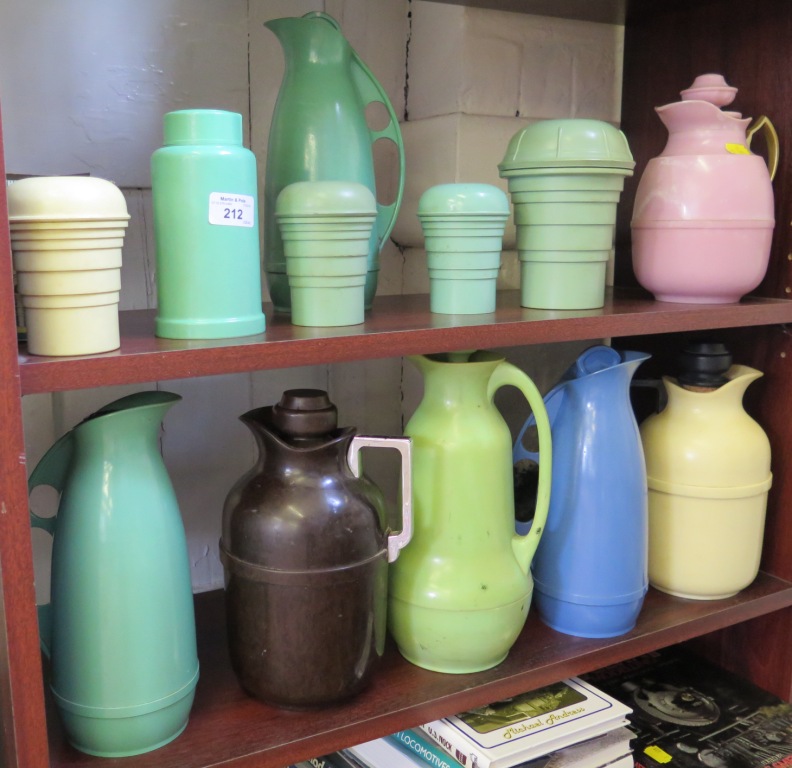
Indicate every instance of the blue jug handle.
{"type": "Point", "coordinates": [52, 470]}
{"type": "Point", "coordinates": [553, 400]}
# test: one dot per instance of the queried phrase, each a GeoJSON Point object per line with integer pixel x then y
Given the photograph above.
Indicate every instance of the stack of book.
{"type": "Point", "coordinates": [570, 724]}
{"type": "Point", "coordinates": [683, 712]}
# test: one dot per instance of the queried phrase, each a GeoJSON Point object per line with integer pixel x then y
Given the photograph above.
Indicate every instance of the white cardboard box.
{"type": "Point", "coordinates": [486, 62]}
{"type": "Point", "coordinates": [449, 149]}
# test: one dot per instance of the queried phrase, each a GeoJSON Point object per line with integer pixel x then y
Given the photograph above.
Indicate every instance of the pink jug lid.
{"type": "Point", "coordinates": [712, 88]}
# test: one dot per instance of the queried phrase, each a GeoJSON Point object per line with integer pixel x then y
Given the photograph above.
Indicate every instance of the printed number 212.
{"type": "Point", "coordinates": [232, 213]}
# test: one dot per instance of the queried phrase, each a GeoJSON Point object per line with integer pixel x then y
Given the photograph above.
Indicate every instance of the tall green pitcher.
{"type": "Point", "coordinates": [461, 589]}
{"type": "Point", "coordinates": [119, 630]}
{"type": "Point", "coordinates": [319, 133]}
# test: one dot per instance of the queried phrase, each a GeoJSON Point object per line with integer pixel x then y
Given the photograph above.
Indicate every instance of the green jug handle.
{"type": "Point", "coordinates": [524, 546]}
{"type": "Point", "coordinates": [52, 470]}
{"type": "Point", "coordinates": [771, 138]}
{"type": "Point", "coordinates": [371, 91]}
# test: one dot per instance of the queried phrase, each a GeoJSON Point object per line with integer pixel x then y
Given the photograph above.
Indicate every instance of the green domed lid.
{"type": "Point", "coordinates": [320, 198]}
{"type": "Point", "coordinates": [475, 199]}
{"type": "Point", "coordinates": [567, 143]}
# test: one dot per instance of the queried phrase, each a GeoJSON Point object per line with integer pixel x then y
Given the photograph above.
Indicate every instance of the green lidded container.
{"type": "Point", "coordinates": [565, 178]}
{"type": "Point", "coordinates": [463, 226]}
{"type": "Point", "coordinates": [204, 189]}
{"type": "Point", "coordinates": [325, 228]}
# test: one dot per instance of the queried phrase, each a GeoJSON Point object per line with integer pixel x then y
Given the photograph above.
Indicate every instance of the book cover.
{"type": "Point", "coordinates": [622, 762]}
{"type": "Point", "coordinates": [333, 760]}
{"type": "Point", "coordinates": [599, 752]}
{"type": "Point", "coordinates": [384, 753]}
{"type": "Point", "coordinates": [530, 725]}
{"type": "Point", "coordinates": [625, 761]}
{"type": "Point", "coordinates": [431, 753]}
{"type": "Point", "coordinates": [690, 713]}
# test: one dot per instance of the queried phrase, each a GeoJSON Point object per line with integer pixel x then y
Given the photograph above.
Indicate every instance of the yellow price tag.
{"type": "Point", "coordinates": [737, 149]}
{"type": "Point", "coordinates": [658, 754]}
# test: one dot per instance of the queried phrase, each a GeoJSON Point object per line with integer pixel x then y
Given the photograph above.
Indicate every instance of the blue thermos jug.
{"type": "Point", "coordinates": [591, 568]}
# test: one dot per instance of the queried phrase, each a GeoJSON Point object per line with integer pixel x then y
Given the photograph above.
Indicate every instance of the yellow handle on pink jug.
{"type": "Point", "coordinates": [771, 138]}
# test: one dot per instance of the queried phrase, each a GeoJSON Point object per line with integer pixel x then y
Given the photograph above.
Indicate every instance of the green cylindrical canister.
{"type": "Point", "coordinates": [206, 229]}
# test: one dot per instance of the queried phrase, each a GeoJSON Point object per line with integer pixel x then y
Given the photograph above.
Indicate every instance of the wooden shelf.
{"type": "Point", "coordinates": [397, 325]}
{"type": "Point", "coordinates": [749, 631]}
{"type": "Point", "coordinates": [603, 11]}
{"type": "Point", "coordinates": [228, 728]}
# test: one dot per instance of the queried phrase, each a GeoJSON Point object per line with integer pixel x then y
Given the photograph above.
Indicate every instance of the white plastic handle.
{"type": "Point", "coordinates": [397, 541]}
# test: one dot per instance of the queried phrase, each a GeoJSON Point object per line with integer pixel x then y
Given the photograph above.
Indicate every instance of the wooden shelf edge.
{"type": "Point", "coordinates": [602, 11]}
{"type": "Point", "coordinates": [397, 326]}
{"type": "Point", "coordinates": [228, 728]}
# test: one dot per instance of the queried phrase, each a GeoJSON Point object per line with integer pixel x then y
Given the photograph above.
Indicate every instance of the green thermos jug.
{"type": "Point", "coordinates": [204, 191]}
{"type": "Point", "coordinates": [319, 133]}
{"type": "Point", "coordinates": [460, 591]}
{"type": "Point", "coordinates": [119, 630]}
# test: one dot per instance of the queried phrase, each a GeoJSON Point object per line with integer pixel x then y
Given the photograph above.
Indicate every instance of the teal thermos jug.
{"type": "Point", "coordinates": [119, 630]}
{"type": "Point", "coordinates": [204, 191]}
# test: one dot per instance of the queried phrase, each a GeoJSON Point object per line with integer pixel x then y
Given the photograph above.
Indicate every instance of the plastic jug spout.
{"type": "Point", "coordinates": [696, 127]}
{"type": "Point", "coordinates": [738, 378]}
{"type": "Point", "coordinates": [690, 114]}
{"type": "Point", "coordinates": [313, 38]}
{"type": "Point", "coordinates": [281, 28]}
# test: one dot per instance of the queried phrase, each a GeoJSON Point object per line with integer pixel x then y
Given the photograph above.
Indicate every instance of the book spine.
{"type": "Point", "coordinates": [445, 737]}
{"type": "Point", "coordinates": [314, 762]}
{"type": "Point", "coordinates": [432, 754]}
{"type": "Point", "coordinates": [334, 760]}
{"type": "Point", "coordinates": [344, 759]}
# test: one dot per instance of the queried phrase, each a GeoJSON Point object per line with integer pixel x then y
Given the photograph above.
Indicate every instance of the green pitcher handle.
{"type": "Point", "coordinates": [52, 470]}
{"type": "Point", "coordinates": [371, 91]}
{"type": "Point", "coordinates": [771, 138]}
{"type": "Point", "coordinates": [524, 546]}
